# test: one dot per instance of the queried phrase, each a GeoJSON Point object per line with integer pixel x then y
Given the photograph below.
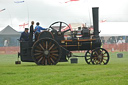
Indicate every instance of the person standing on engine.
{"type": "Point", "coordinates": [31, 32]}
{"type": "Point", "coordinates": [39, 28]}
{"type": "Point", "coordinates": [85, 31]}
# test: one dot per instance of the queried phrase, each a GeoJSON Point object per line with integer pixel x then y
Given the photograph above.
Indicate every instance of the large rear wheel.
{"type": "Point", "coordinates": [46, 52]}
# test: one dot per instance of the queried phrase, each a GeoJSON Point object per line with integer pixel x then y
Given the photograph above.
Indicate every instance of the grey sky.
{"type": "Point", "coordinates": [49, 11]}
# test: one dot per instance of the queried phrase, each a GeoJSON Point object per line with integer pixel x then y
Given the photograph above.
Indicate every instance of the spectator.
{"type": "Point", "coordinates": [120, 44]}
{"type": "Point", "coordinates": [6, 42]}
{"type": "Point", "coordinates": [121, 41]}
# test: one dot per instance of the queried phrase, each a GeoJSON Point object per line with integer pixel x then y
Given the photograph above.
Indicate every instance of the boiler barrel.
{"type": "Point", "coordinates": [83, 45]}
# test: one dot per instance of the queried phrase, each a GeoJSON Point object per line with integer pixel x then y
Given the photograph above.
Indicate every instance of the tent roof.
{"type": "Point", "coordinates": [9, 31]}
{"type": "Point", "coordinates": [113, 28]}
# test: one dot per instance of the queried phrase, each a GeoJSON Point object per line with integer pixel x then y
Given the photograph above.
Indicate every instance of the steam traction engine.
{"type": "Point", "coordinates": [51, 47]}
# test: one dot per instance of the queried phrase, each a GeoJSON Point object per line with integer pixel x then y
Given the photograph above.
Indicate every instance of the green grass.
{"type": "Point", "coordinates": [114, 73]}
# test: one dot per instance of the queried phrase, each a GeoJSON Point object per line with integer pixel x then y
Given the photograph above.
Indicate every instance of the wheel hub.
{"type": "Point", "coordinates": [59, 33]}
{"type": "Point", "coordinates": [99, 57]}
{"type": "Point", "coordinates": [46, 52]}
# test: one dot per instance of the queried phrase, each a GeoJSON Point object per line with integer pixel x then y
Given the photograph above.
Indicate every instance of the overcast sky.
{"type": "Point", "coordinates": [49, 11]}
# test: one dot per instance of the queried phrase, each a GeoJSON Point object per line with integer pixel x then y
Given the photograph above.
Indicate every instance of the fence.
{"type": "Point", "coordinates": [108, 47]}
{"type": "Point", "coordinates": [116, 47]}
{"type": "Point", "coordinates": [9, 50]}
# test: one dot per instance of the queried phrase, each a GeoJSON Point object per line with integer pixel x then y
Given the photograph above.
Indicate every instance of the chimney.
{"type": "Point", "coordinates": [95, 11]}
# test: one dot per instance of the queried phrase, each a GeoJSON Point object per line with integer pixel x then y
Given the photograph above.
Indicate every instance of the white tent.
{"type": "Point", "coordinates": [113, 28]}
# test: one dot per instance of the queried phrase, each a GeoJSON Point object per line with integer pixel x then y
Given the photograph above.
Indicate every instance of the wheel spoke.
{"type": "Point", "coordinates": [43, 60]}
{"type": "Point", "coordinates": [95, 61]}
{"type": "Point", "coordinates": [40, 59]}
{"type": "Point", "coordinates": [52, 60]}
{"type": "Point", "coordinates": [95, 57]}
{"type": "Point", "coordinates": [89, 62]}
{"type": "Point", "coordinates": [38, 51]}
{"type": "Point", "coordinates": [66, 30]}
{"type": "Point", "coordinates": [51, 47]}
{"type": "Point", "coordinates": [103, 61]}
{"type": "Point", "coordinates": [101, 52]}
{"type": "Point", "coordinates": [41, 46]}
{"type": "Point", "coordinates": [46, 45]}
{"type": "Point", "coordinates": [96, 53]}
{"type": "Point", "coordinates": [51, 27]}
{"type": "Point", "coordinates": [37, 54]}
{"type": "Point", "coordinates": [46, 61]}
{"type": "Point", "coordinates": [54, 48]}
{"type": "Point", "coordinates": [38, 47]}
{"type": "Point", "coordinates": [49, 61]}
{"type": "Point", "coordinates": [55, 54]}
{"type": "Point", "coordinates": [54, 51]}
{"type": "Point", "coordinates": [88, 58]}
{"type": "Point", "coordinates": [104, 53]}
{"type": "Point", "coordinates": [60, 26]}
{"type": "Point", "coordinates": [54, 57]}
{"type": "Point", "coordinates": [99, 61]}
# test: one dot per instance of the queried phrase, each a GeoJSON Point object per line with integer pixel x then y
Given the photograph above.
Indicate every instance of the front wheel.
{"type": "Point", "coordinates": [99, 56]}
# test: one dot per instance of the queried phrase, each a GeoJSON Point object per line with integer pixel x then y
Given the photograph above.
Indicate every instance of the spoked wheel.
{"type": "Point", "coordinates": [46, 52]}
{"type": "Point", "coordinates": [62, 27]}
{"type": "Point", "coordinates": [99, 56]}
{"type": "Point", "coordinates": [88, 57]}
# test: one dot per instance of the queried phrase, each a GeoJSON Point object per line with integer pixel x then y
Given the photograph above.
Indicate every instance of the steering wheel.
{"type": "Point", "coordinates": [60, 27]}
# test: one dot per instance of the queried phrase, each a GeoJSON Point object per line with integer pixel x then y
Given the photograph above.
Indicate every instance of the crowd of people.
{"type": "Point", "coordinates": [25, 36]}
{"type": "Point", "coordinates": [118, 43]}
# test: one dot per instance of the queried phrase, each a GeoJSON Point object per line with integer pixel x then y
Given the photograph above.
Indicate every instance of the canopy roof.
{"type": "Point", "coordinates": [9, 31]}
{"type": "Point", "coordinates": [113, 28]}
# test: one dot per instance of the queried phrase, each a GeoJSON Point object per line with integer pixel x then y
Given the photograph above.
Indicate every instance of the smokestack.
{"type": "Point", "coordinates": [95, 11]}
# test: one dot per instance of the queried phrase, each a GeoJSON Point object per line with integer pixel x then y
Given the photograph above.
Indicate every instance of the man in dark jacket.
{"type": "Point", "coordinates": [24, 35]}
{"type": "Point", "coordinates": [31, 31]}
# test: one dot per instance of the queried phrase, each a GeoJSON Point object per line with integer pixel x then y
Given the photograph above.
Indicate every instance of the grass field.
{"type": "Point", "coordinates": [114, 73]}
